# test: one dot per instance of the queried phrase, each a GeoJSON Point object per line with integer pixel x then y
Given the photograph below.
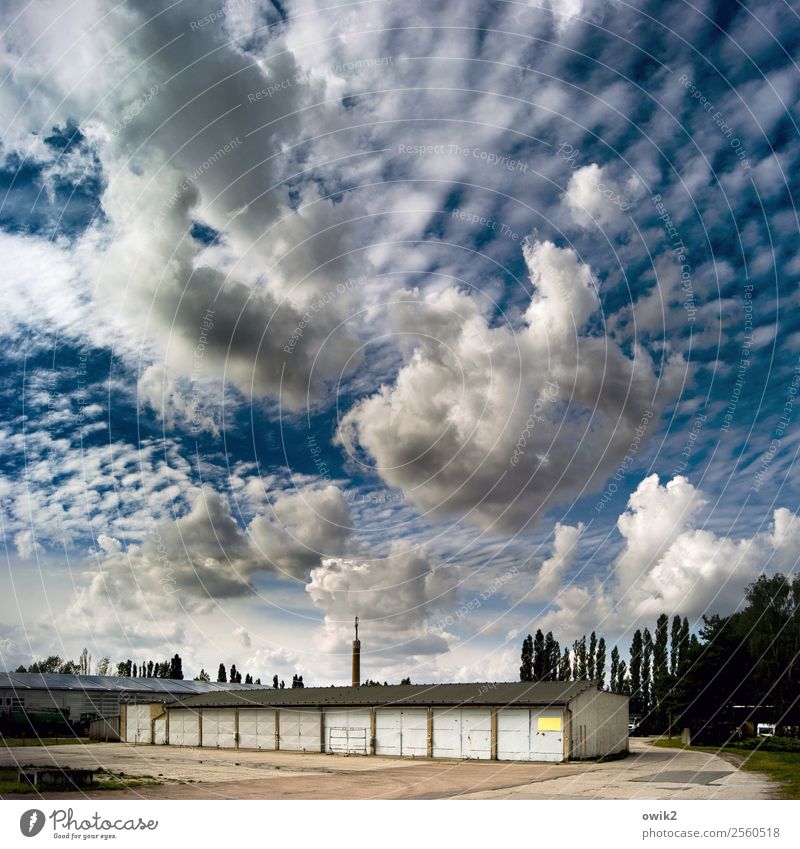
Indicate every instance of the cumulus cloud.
{"type": "Point", "coordinates": [594, 198]}
{"type": "Point", "coordinates": [205, 557]}
{"type": "Point", "coordinates": [395, 599]}
{"type": "Point", "coordinates": [551, 574]}
{"type": "Point", "coordinates": [670, 564]}
{"type": "Point", "coordinates": [494, 424]}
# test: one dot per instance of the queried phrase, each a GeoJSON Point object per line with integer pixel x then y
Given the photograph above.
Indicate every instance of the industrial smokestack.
{"type": "Point", "coordinates": [356, 659]}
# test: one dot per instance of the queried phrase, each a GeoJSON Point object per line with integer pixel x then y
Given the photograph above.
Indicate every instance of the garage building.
{"type": "Point", "coordinates": [540, 721]}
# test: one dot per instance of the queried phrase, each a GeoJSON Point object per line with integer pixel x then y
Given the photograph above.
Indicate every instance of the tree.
{"type": "Point", "coordinates": [623, 686]}
{"type": "Point", "coordinates": [614, 673]}
{"type": "Point", "coordinates": [203, 676]}
{"type": "Point", "coordinates": [20, 668]}
{"type": "Point", "coordinates": [405, 681]}
{"type": "Point", "coordinates": [674, 645]}
{"type": "Point", "coordinates": [661, 679]}
{"type": "Point", "coordinates": [551, 658]}
{"type": "Point", "coordinates": [274, 682]}
{"type": "Point", "coordinates": [647, 653]}
{"type": "Point", "coordinates": [85, 663]}
{"type": "Point", "coordinates": [222, 675]}
{"type": "Point", "coordinates": [150, 668]}
{"type": "Point", "coordinates": [538, 655]}
{"type": "Point", "coordinates": [176, 668]}
{"type": "Point", "coordinates": [236, 676]}
{"type": "Point", "coordinates": [283, 683]}
{"type": "Point", "coordinates": [582, 664]}
{"type": "Point", "coordinates": [258, 681]}
{"type": "Point", "coordinates": [297, 681]}
{"type": "Point", "coordinates": [600, 663]}
{"type": "Point", "coordinates": [565, 667]}
{"type": "Point", "coordinates": [248, 679]}
{"type": "Point", "coordinates": [135, 672]}
{"type": "Point", "coordinates": [683, 647]}
{"type": "Point", "coordinates": [590, 660]}
{"type": "Point", "coordinates": [636, 672]}
{"type": "Point", "coordinates": [50, 664]}
{"type": "Point", "coordinates": [526, 667]}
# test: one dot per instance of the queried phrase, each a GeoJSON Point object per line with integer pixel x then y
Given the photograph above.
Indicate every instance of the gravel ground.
{"type": "Point", "coordinates": [649, 773]}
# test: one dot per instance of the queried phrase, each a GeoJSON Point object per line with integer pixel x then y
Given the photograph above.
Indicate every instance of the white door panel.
{"type": "Point", "coordinates": [347, 731]}
{"type": "Point", "coordinates": [462, 733]}
{"type": "Point", "coordinates": [256, 728]}
{"type": "Point", "coordinates": [137, 724]}
{"type": "Point", "coordinates": [300, 729]}
{"type": "Point", "coordinates": [401, 732]}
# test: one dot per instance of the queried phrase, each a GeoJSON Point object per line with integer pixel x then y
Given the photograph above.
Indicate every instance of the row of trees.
{"type": "Point", "coordinates": [542, 659]}
{"type": "Point", "coordinates": [749, 658]}
{"type": "Point", "coordinates": [171, 669]}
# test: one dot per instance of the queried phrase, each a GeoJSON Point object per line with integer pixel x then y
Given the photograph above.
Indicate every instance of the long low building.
{"type": "Point", "coordinates": [93, 694]}
{"type": "Point", "coordinates": [541, 721]}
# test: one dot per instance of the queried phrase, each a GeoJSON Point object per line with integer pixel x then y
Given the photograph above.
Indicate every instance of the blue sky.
{"type": "Point", "coordinates": [464, 318]}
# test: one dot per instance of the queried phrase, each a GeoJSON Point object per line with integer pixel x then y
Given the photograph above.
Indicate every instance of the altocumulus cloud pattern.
{"type": "Point", "coordinates": [466, 318]}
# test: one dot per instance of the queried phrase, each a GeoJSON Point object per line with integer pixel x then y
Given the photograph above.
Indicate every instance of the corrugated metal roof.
{"type": "Point", "coordinates": [535, 693]}
{"type": "Point", "coordinates": [111, 684]}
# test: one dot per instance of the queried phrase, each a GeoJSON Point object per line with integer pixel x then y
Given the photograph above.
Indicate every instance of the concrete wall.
{"type": "Point", "coordinates": [598, 725]}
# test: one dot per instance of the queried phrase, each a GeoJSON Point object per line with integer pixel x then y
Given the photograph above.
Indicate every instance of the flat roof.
{"type": "Point", "coordinates": [541, 693]}
{"type": "Point", "coordinates": [112, 684]}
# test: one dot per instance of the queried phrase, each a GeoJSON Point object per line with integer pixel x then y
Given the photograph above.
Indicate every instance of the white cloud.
{"type": "Point", "coordinates": [242, 636]}
{"type": "Point", "coordinates": [551, 574]}
{"type": "Point", "coordinates": [395, 598]}
{"type": "Point", "coordinates": [670, 565]}
{"type": "Point", "coordinates": [595, 199]}
{"type": "Point", "coordinates": [494, 425]}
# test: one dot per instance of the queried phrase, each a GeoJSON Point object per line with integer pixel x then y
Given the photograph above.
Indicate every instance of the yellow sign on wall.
{"type": "Point", "coordinates": [549, 723]}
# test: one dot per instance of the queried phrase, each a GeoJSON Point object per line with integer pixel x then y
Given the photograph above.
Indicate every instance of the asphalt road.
{"type": "Point", "coordinates": [648, 773]}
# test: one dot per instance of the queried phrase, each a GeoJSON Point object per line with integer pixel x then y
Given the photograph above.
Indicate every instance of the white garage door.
{"type": "Point", "coordinates": [256, 728]}
{"type": "Point", "coordinates": [137, 724]}
{"type": "Point", "coordinates": [530, 735]}
{"type": "Point", "coordinates": [219, 728]}
{"type": "Point", "coordinates": [184, 728]}
{"type": "Point", "coordinates": [347, 731]}
{"type": "Point", "coordinates": [462, 733]}
{"type": "Point", "coordinates": [300, 729]}
{"type": "Point", "coordinates": [160, 731]}
{"type": "Point", "coordinates": [401, 732]}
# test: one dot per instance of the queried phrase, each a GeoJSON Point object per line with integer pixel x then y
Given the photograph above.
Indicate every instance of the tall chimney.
{"type": "Point", "coordinates": [356, 659]}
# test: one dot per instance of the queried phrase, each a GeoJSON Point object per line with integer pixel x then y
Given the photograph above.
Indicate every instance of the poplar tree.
{"type": "Point", "coordinates": [614, 670]}
{"type": "Point", "coordinates": [600, 663]}
{"type": "Point", "coordinates": [526, 667]}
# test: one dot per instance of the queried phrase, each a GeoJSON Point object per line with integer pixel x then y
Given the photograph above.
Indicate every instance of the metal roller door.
{"type": "Point", "coordinates": [256, 728]}
{"type": "Point", "coordinates": [184, 728]}
{"type": "Point", "coordinates": [219, 728]}
{"type": "Point", "coordinates": [530, 735]}
{"type": "Point", "coordinates": [462, 733]}
{"type": "Point", "coordinates": [137, 724]}
{"type": "Point", "coordinates": [401, 732]}
{"type": "Point", "coordinates": [347, 731]}
{"type": "Point", "coordinates": [300, 729]}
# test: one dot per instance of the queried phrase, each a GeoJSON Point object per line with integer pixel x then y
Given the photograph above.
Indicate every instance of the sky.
{"type": "Point", "coordinates": [466, 318]}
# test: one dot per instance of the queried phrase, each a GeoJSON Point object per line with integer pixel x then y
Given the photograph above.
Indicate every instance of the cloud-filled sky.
{"type": "Point", "coordinates": [466, 318]}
